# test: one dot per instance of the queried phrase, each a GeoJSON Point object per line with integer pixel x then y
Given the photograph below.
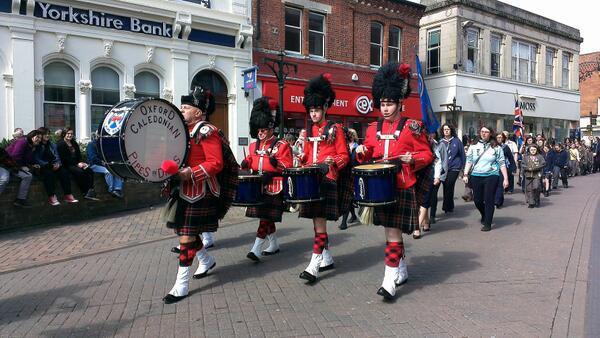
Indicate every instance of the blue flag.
{"type": "Point", "coordinates": [427, 115]}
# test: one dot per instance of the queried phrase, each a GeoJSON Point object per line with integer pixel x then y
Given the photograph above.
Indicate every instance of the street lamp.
{"type": "Point", "coordinates": [281, 69]}
{"type": "Point", "coordinates": [590, 126]}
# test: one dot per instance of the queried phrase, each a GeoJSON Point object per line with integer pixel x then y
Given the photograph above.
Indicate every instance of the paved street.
{"type": "Point", "coordinates": [526, 278]}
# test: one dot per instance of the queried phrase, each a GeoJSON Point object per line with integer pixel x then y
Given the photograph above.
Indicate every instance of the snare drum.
{"type": "Point", "coordinates": [374, 184]}
{"type": "Point", "coordinates": [249, 191]}
{"type": "Point", "coordinates": [301, 185]}
{"type": "Point", "coordinates": [137, 135]}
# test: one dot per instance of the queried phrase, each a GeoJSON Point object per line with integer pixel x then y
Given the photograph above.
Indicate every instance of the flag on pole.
{"type": "Point", "coordinates": [518, 122]}
{"type": "Point", "coordinates": [427, 115]}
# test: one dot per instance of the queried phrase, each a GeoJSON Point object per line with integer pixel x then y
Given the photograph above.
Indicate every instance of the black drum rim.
{"type": "Point", "coordinates": [374, 204]}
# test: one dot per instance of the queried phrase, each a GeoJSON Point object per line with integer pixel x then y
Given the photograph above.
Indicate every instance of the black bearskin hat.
{"type": "Point", "coordinates": [391, 83]}
{"type": "Point", "coordinates": [200, 98]}
{"type": "Point", "coordinates": [265, 114]}
{"type": "Point", "coordinates": [318, 93]}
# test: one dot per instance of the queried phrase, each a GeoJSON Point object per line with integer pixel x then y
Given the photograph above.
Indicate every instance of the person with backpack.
{"type": "Point", "coordinates": [268, 156]}
{"type": "Point", "coordinates": [403, 142]}
{"type": "Point", "coordinates": [195, 191]}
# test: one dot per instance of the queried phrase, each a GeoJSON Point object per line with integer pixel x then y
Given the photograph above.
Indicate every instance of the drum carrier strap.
{"type": "Point", "coordinates": [387, 137]}
{"type": "Point", "coordinates": [273, 143]}
{"type": "Point", "coordinates": [326, 136]}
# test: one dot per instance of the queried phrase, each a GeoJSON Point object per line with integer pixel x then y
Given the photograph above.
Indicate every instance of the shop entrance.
{"type": "Point", "coordinates": [216, 84]}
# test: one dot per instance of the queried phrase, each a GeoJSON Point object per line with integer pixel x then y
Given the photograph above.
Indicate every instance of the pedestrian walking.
{"type": "Point", "coordinates": [456, 163]}
{"type": "Point", "coordinates": [533, 164]}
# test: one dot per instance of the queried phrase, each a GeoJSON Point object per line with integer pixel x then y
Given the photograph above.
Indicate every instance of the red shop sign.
{"type": "Point", "coordinates": [348, 101]}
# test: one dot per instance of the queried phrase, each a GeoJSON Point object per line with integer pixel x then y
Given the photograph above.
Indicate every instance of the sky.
{"type": "Point", "coordinates": [580, 14]}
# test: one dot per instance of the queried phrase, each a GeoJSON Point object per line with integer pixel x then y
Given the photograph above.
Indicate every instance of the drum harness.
{"type": "Point", "coordinates": [328, 134]}
{"type": "Point", "coordinates": [268, 151]}
{"type": "Point", "coordinates": [388, 137]}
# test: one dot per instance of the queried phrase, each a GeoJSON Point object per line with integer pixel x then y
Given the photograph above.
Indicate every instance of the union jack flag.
{"type": "Point", "coordinates": [518, 122]}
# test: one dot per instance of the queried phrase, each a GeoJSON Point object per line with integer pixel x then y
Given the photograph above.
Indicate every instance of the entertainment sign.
{"type": "Point", "coordinates": [100, 19]}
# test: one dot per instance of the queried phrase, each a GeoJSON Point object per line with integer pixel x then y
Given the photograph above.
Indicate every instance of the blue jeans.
{"type": "Point", "coordinates": [113, 183]}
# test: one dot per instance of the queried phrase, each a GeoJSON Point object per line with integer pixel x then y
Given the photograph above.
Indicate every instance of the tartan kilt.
{"type": "Point", "coordinates": [327, 208]}
{"type": "Point", "coordinates": [271, 209]}
{"type": "Point", "coordinates": [424, 184]}
{"type": "Point", "coordinates": [345, 189]}
{"type": "Point", "coordinates": [403, 214]}
{"type": "Point", "coordinates": [195, 218]}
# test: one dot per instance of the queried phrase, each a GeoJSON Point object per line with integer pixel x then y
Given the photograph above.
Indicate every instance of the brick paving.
{"type": "Point", "coordinates": [525, 278]}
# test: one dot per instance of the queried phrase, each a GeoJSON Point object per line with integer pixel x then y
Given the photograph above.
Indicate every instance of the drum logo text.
{"type": "Point", "coordinates": [290, 186]}
{"type": "Point", "coordinates": [114, 120]}
{"type": "Point", "coordinates": [361, 188]}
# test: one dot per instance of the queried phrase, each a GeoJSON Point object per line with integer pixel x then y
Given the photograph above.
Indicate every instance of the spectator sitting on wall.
{"type": "Point", "coordinates": [19, 159]}
{"type": "Point", "coordinates": [17, 134]}
{"type": "Point", "coordinates": [70, 156]}
{"type": "Point", "coordinates": [51, 169]}
{"type": "Point", "coordinates": [115, 184]}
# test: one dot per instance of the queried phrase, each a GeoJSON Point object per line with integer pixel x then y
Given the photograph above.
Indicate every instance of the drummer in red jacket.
{"type": "Point", "coordinates": [404, 142]}
{"type": "Point", "coordinates": [198, 191]}
{"type": "Point", "coordinates": [268, 157]}
{"type": "Point", "coordinates": [325, 146]}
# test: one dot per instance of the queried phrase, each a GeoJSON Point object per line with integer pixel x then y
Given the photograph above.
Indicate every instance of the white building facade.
{"type": "Point", "coordinates": [486, 54]}
{"type": "Point", "coordinates": [64, 63]}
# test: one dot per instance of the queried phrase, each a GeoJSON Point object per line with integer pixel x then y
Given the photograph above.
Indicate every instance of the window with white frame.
{"type": "Point", "coordinates": [433, 51]}
{"type": "Point", "coordinates": [105, 93]}
{"type": "Point", "coordinates": [550, 53]}
{"type": "Point", "coordinates": [472, 42]}
{"type": "Point", "coordinates": [147, 85]}
{"type": "Point", "coordinates": [524, 62]}
{"type": "Point", "coordinates": [395, 44]}
{"type": "Point", "coordinates": [316, 34]}
{"type": "Point", "coordinates": [566, 60]}
{"type": "Point", "coordinates": [495, 54]}
{"type": "Point", "coordinates": [59, 96]}
{"type": "Point", "coordinates": [376, 44]}
{"type": "Point", "coordinates": [293, 29]}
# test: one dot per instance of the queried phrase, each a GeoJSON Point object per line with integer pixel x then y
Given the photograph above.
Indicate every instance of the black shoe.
{"type": "Point", "coordinates": [343, 226]}
{"type": "Point", "coordinates": [307, 276]}
{"type": "Point", "coordinates": [386, 295]}
{"type": "Point", "coordinates": [498, 206]}
{"type": "Point", "coordinates": [486, 228]}
{"type": "Point", "coordinates": [22, 203]}
{"type": "Point", "coordinates": [268, 253]}
{"type": "Point", "coordinates": [546, 194]}
{"type": "Point", "coordinates": [530, 206]}
{"type": "Point", "coordinates": [175, 250]}
{"type": "Point", "coordinates": [252, 256]}
{"type": "Point", "coordinates": [353, 220]}
{"type": "Point", "coordinates": [205, 273]}
{"type": "Point", "coordinates": [170, 299]}
{"type": "Point", "coordinates": [117, 193]}
{"type": "Point", "coordinates": [91, 195]}
{"type": "Point", "coordinates": [327, 267]}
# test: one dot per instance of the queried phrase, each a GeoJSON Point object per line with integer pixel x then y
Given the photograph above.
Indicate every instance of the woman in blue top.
{"type": "Point", "coordinates": [456, 162]}
{"type": "Point", "coordinates": [485, 162]}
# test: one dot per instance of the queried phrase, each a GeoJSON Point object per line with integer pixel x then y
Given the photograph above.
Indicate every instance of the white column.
{"type": "Point", "coordinates": [23, 78]}
{"type": "Point", "coordinates": [499, 125]}
{"type": "Point", "coordinates": [180, 74]}
{"type": "Point", "coordinates": [39, 102]}
{"type": "Point", "coordinates": [8, 104]}
{"type": "Point", "coordinates": [443, 117]}
{"type": "Point", "coordinates": [84, 118]}
{"type": "Point", "coordinates": [505, 68]}
{"type": "Point", "coordinates": [558, 69]}
{"type": "Point", "coordinates": [541, 69]}
{"type": "Point", "coordinates": [460, 127]}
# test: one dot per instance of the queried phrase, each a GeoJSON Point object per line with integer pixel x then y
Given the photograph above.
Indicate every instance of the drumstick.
{"type": "Point", "coordinates": [394, 157]}
{"type": "Point", "coordinates": [244, 149]}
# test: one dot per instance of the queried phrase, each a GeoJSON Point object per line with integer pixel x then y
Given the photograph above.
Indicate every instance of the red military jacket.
{"type": "Point", "coordinates": [258, 160]}
{"type": "Point", "coordinates": [206, 161]}
{"type": "Point", "coordinates": [320, 146]}
{"type": "Point", "coordinates": [412, 138]}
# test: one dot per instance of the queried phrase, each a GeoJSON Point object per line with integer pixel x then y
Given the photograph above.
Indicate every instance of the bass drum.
{"type": "Point", "coordinates": [137, 135]}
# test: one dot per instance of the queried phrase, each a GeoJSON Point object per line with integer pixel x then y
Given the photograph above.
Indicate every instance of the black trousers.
{"type": "Point", "coordinates": [50, 176]}
{"type": "Point", "coordinates": [434, 200]}
{"type": "Point", "coordinates": [449, 183]}
{"type": "Point", "coordinates": [83, 177]}
{"type": "Point", "coordinates": [484, 193]}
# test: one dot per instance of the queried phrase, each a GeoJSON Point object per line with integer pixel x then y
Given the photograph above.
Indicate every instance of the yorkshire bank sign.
{"type": "Point", "coordinates": [100, 19]}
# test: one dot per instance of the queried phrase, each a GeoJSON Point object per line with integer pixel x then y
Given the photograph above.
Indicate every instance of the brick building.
{"type": "Point", "coordinates": [347, 38]}
{"type": "Point", "coordinates": [589, 87]}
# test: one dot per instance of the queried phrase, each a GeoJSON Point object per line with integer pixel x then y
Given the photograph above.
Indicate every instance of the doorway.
{"type": "Point", "coordinates": [215, 83]}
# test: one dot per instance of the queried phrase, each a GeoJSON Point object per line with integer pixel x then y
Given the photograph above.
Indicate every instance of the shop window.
{"type": "Point", "coordinates": [203, 3]}
{"type": "Point", "coordinates": [293, 30]}
{"type": "Point", "coordinates": [376, 44]}
{"type": "Point", "coordinates": [472, 42]}
{"type": "Point", "coordinates": [495, 55]}
{"type": "Point", "coordinates": [59, 96]}
{"type": "Point", "coordinates": [395, 44]}
{"type": "Point", "coordinates": [524, 62]}
{"type": "Point", "coordinates": [147, 85]}
{"type": "Point", "coordinates": [433, 51]}
{"type": "Point", "coordinates": [316, 34]}
{"type": "Point", "coordinates": [105, 93]}
{"type": "Point", "coordinates": [566, 59]}
{"type": "Point", "coordinates": [550, 66]}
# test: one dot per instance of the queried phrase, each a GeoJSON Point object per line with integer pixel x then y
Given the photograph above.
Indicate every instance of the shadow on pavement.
{"type": "Point", "coordinates": [424, 271]}
{"type": "Point", "coordinates": [247, 238]}
{"type": "Point", "coordinates": [106, 329]}
{"type": "Point", "coordinates": [502, 221]}
{"type": "Point", "coordinates": [58, 300]}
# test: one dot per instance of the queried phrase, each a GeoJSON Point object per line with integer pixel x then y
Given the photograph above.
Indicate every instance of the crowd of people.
{"type": "Point", "coordinates": [36, 154]}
